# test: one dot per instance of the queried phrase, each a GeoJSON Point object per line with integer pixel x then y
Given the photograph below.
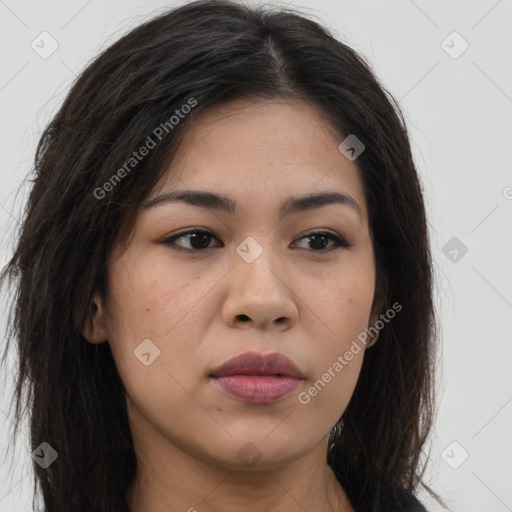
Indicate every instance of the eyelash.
{"type": "Point", "coordinates": [339, 241]}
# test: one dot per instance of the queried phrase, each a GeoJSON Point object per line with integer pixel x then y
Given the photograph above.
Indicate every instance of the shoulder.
{"type": "Point", "coordinates": [394, 498]}
{"type": "Point", "coordinates": [386, 499]}
{"type": "Point", "coordinates": [380, 496]}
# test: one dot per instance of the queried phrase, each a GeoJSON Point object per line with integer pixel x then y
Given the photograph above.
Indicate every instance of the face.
{"type": "Point", "coordinates": [196, 285]}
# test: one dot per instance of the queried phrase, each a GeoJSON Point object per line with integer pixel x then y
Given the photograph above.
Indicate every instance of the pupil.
{"type": "Point", "coordinates": [322, 245]}
{"type": "Point", "coordinates": [198, 236]}
{"type": "Point", "coordinates": [201, 241]}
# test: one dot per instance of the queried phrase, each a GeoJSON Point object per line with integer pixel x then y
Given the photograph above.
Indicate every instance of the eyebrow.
{"type": "Point", "coordinates": [220, 202]}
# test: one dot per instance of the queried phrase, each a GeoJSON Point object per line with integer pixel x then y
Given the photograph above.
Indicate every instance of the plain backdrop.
{"type": "Point", "coordinates": [448, 64]}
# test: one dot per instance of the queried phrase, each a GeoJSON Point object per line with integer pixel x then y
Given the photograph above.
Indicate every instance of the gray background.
{"type": "Point", "coordinates": [458, 109]}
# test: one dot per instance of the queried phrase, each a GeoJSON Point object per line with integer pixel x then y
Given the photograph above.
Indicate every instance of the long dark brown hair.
{"type": "Point", "coordinates": [213, 52]}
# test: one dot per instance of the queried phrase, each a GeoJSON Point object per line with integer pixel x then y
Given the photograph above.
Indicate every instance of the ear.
{"type": "Point", "coordinates": [378, 305]}
{"type": "Point", "coordinates": [95, 330]}
{"type": "Point", "coordinates": [371, 324]}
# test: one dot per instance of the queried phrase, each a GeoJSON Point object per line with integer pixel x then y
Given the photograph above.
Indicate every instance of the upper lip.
{"type": "Point", "coordinates": [254, 363]}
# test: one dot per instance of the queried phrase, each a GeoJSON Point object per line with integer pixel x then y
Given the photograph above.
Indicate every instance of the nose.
{"type": "Point", "coordinates": [260, 296]}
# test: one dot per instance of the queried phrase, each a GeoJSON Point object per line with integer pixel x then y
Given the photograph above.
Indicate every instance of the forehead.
{"type": "Point", "coordinates": [257, 151]}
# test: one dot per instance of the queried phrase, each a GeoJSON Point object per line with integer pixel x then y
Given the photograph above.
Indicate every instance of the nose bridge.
{"type": "Point", "coordinates": [260, 292]}
{"type": "Point", "coordinates": [258, 266]}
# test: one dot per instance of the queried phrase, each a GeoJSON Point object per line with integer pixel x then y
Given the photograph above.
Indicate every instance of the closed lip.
{"type": "Point", "coordinates": [257, 364]}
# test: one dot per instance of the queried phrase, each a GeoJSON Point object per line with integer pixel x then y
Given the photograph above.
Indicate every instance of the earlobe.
{"type": "Point", "coordinates": [96, 329]}
{"type": "Point", "coordinates": [372, 340]}
{"type": "Point", "coordinates": [372, 328]}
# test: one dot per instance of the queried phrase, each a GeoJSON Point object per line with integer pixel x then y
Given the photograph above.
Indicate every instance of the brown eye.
{"type": "Point", "coordinates": [319, 241]}
{"type": "Point", "coordinates": [198, 240]}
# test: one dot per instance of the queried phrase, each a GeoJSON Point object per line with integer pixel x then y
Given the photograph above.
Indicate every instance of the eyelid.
{"type": "Point", "coordinates": [168, 240]}
{"type": "Point", "coordinates": [341, 242]}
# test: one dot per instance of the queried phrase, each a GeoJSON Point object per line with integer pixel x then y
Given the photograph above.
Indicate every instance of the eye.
{"type": "Point", "coordinates": [199, 240]}
{"type": "Point", "coordinates": [320, 239]}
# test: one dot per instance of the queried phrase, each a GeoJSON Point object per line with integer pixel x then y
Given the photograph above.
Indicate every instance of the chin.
{"type": "Point", "coordinates": [257, 452]}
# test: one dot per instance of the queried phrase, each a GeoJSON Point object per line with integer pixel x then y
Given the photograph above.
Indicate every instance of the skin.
{"type": "Point", "coordinates": [187, 434]}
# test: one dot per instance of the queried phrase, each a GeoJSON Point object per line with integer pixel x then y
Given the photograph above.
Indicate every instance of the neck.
{"type": "Point", "coordinates": [171, 479]}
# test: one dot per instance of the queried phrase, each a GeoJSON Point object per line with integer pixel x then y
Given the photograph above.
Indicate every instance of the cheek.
{"type": "Point", "coordinates": [152, 331]}
{"type": "Point", "coordinates": [325, 398]}
{"type": "Point", "coordinates": [343, 305]}
{"type": "Point", "coordinates": [341, 294]}
{"type": "Point", "coordinates": [343, 309]}
{"type": "Point", "coordinates": [154, 301]}
{"type": "Point", "coordinates": [338, 356]}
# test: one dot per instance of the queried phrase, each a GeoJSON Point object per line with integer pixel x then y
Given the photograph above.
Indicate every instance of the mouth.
{"type": "Point", "coordinates": [262, 389]}
{"type": "Point", "coordinates": [256, 378]}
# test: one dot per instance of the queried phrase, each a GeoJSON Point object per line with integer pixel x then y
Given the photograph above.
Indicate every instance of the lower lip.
{"type": "Point", "coordinates": [257, 389]}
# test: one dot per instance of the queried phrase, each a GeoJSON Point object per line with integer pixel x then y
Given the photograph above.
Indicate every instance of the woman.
{"type": "Point", "coordinates": [286, 361]}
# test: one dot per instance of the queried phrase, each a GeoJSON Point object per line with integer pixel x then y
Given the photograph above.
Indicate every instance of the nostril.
{"type": "Point", "coordinates": [244, 318]}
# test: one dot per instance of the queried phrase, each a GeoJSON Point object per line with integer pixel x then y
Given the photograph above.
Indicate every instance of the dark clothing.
{"type": "Point", "coordinates": [377, 496]}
